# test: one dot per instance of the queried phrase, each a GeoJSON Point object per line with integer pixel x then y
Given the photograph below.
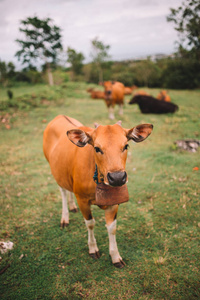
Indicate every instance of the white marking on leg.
{"type": "Point", "coordinates": [92, 244]}
{"type": "Point", "coordinates": [111, 113]}
{"type": "Point", "coordinates": [72, 204]}
{"type": "Point", "coordinates": [113, 250]}
{"type": "Point", "coordinates": [121, 109]}
{"type": "Point", "coordinates": [65, 211]}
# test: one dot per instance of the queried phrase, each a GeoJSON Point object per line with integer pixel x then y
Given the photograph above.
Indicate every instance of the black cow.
{"type": "Point", "coordinates": [150, 105]}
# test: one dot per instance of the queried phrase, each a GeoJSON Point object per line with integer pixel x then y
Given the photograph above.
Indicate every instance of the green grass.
{"type": "Point", "coordinates": [158, 229]}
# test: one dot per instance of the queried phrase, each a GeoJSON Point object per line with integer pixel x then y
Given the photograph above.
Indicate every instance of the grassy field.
{"type": "Point", "coordinates": [158, 229]}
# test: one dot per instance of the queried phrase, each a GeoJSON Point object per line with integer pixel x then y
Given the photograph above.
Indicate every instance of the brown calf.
{"type": "Point", "coordinates": [73, 169]}
{"type": "Point", "coordinates": [114, 94]}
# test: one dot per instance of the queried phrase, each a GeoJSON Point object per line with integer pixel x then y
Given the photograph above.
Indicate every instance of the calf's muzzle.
{"type": "Point", "coordinates": [117, 178]}
{"type": "Point", "coordinates": [108, 92]}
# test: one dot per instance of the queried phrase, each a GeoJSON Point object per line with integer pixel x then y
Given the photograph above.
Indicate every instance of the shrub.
{"type": "Point", "coordinates": [30, 76]}
{"type": "Point", "coordinates": [182, 74]}
{"type": "Point", "coordinates": [127, 78]}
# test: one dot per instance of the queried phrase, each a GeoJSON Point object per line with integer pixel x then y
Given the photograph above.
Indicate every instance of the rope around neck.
{"type": "Point", "coordinates": [95, 177]}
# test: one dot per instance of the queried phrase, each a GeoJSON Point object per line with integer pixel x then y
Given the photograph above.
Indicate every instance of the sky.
{"type": "Point", "coordinates": [132, 28]}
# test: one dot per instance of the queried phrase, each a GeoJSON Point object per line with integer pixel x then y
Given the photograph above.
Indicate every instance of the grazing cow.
{"type": "Point", "coordinates": [102, 154]}
{"type": "Point", "coordinates": [150, 105]}
{"type": "Point", "coordinates": [163, 96]}
{"type": "Point", "coordinates": [114, 94]}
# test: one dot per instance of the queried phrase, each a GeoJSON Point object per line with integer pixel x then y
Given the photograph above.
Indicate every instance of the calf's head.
{"type": "Point", "coordinates": [110, 145]}
{"type": "Point", "coordinates": [108, 90]}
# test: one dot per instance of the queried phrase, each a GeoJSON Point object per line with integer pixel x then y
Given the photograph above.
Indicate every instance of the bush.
{"type": "Point", "coordinates": [127, 78]}
{"type": "Point", "coordinates": [30, 76]}
{"type": "Point", "coordinates": [60, 76]}
{"type": "Point", "coordinates": [24, 102]}
{"type": "Point", "coordinates": [93, 74]}
{"type": "Point", "coordinates": [146, 73]}
{"type": "Point", "coordinates": [182, 74]}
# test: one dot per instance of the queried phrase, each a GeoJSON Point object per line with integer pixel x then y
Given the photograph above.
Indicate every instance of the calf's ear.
{"type": "Point", "coordinates": [79, 137]}
{"type": "Point", "coordinates": [139, 133]}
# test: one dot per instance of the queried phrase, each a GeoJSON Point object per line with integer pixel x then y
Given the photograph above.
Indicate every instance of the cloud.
{"type": "Point", "coordinates": [130, 27]}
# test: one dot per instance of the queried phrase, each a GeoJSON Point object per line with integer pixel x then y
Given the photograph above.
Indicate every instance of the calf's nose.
{"type": "Point", "coordinates": [108, 92]}
{"type": "Point", "coordinates": [117, 178]}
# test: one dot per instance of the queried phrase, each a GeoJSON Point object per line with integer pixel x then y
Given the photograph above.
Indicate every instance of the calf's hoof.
{"type": "Point", "coordinates": [64, 224]}
{"type": "Point", "coordinates": [95, 255]}
{"type": "Point", "coordinates": [74, 210]}
{"type": "Point", "coordinates": [121, 264]}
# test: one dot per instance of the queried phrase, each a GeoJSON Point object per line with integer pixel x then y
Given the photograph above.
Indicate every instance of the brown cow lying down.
{"type": "Point", "coordinates": [97, 95]}
{"type": "Point", "coordinates": [163, 96]}
{"type": "Point", "coordinates": [141, 92]}
{"type": "Point", "coordinates": [90, 90]}
{"type": "Point", "coordinates": [129, 90]}
{"type": "Point", "coordinates": [150, 105]}
{"type": "Point", "coordinates": [114, 94]}
{"type": "Point", "coordinates": [76, 153]}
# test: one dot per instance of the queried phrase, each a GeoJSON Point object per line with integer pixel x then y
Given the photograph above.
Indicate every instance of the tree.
{"type": "Point", "coordinates": [41, 44]}
{"type": "Point", "coordinates": [187, 23]}
{"type": "Point", "coordinates": [11, 70]}
{"type": "Point", "coordinates": [99, 55]}
{"type": "Point", "coordinates": [7, 71]}
{"type": "Point", "coordinates": [146, 73]}
{"type": "Point", "coordinates": [76, 60]}
{"type": "Point", "coordinates": [181, 74]}
{"type": "Point", "coordinates": [3, 71]}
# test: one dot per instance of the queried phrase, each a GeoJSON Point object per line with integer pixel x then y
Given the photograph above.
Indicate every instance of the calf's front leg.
{"type": "Point", "coordinates": [121, 109]}
{"type": "Point", "coordinates": [92, 244]}
{"type": "Point", "coordinates": [111, 224]}
{"type": "Point", "coordinates": [111, 113]}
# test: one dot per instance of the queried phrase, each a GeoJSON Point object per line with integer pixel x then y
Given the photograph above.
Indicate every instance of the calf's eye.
{"type": "Point", "coordinates": [126, 147]}
{"type": "Point", "coordinates": [98, 150]}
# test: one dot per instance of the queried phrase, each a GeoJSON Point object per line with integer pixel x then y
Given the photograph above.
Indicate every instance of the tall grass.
{"type": "Point", "coordinates": [158, 229]}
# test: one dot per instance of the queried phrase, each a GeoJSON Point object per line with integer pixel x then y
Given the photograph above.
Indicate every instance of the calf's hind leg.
{"type": "Point", "coordinates": [72, 206]}
{"type": "Point", "coordinates": [111, 224]}
{"type": "Point", "coordinates": [89, 222]}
